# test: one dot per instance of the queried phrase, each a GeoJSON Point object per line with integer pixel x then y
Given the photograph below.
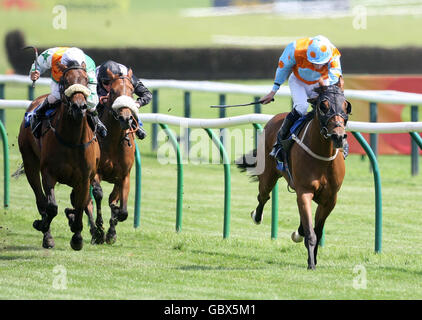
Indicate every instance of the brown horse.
{"type": "Point", "coordinates": [316, 167]}
{"type": "Point", "coordinates": [117, 153]}
{"type": "Point", "coordinates": [66, 153]}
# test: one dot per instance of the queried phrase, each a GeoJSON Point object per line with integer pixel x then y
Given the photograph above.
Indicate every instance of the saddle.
{"type": "Point", "coordinates": [287, 143]}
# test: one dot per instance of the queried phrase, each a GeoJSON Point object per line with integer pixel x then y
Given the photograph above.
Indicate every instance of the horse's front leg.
{"type": "Point", "coordinates": [81, 199]}
{"type": "Point", "coordinates": [304, 203]}
{"type": "Point", "coordinates": [99, 236]}
{"type": "Point", "coordinates": [112, 200]}
{"type": "Point", "coordinates": [322, 212]}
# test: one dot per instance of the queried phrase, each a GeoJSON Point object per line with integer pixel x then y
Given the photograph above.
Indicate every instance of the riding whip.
{"type": "Point", "coordinates": [238, 105]}
{"type": "Point", "coordinates": [35, 61]}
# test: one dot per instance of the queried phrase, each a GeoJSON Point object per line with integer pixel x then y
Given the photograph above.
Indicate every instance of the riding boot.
{"type": "Point", "coordinates": [283, 134]}
{"type": "Point", "coordinates": [36, 119]}
{"type": "Point", "coordinates": [96, 124]}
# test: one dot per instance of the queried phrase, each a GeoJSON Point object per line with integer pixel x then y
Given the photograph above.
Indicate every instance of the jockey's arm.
{"type": "Point", "coordinates": [43, 64]}
{"type": "Point", "coordinates": [92, 100]}
{"type": "Point", "coordinates": [334, 69]}
{"type": "Point", "coordinates": [144, 95]}
{"type": "Point", "coordinates": [284, 68]}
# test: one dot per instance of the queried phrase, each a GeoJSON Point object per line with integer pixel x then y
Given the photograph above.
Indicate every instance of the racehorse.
{"type": "Point", "coordinates": [117, 153]}
{"type": "Point", "coordinates": [316, 168]}
{"type": "Point", "coordinates": [66, 153]}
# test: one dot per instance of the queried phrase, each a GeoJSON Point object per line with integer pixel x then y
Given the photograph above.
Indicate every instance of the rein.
{"type": "Point", "coordinates": [309, 151]}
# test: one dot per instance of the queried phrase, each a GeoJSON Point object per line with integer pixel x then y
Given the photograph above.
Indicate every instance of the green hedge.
{"type": "Point", "coordinates": [225, 63]}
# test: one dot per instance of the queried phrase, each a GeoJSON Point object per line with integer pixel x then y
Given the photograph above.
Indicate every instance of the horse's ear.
{"type": "Point", "coordinates": [61, 66]}
{"type": "Point", "coordinates": [340, 83]}
{"type": "Point", "coordinates": [348, 107]}
{"type": "Point", "coordinates": [83, 65]}
{"type": "Point", "coordinates": [313, 102]}
{"type": "Point", "coordinates": [110, 74]}
{"type": "Point", "coordinates": [130, 73]}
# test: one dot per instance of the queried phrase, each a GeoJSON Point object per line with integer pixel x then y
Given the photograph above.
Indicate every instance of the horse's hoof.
{"type": "Point", "coordinates": [254, 218]}
{"type": "Point", "coordinates": [111, 237]}
{"type": "Point", "coordinates": [76, 242]}
{"type": "Point", "coordinates": [48, 242]}
{"type": "Point", "coordinates": [122, 216]}
{"type": "Point", "coordinates": [98, 236]}
{"type": "Point", "coordinates": [311, 267]}
{"type": "Point", "coordinates": [37, 225]}
{"type": "Point", "coordinates": [296, 237]}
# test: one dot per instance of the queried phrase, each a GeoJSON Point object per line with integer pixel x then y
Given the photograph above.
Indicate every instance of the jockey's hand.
{"type": "Point", "coordinates": [35, 75]}
{"type": "Point", "coordinates": [268, 98]}
{"type": "Point", "coordinates": [103, 99]}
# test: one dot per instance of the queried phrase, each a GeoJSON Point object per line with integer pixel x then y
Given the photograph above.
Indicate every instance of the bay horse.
{"type": "Point", "coordinates": [317, 169]}
{"type": "Point", "coordinates": [67, 152]}
{"type": "Point", "coordinates": [117, 153]}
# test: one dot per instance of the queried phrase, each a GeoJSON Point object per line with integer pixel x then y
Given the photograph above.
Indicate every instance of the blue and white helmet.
{"type": "Point", "coordinates": [319, 50]}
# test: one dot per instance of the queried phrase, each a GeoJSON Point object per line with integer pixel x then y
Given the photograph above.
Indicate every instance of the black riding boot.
{"type": "Point", "coordinates": [140, 132]}
{"type": "Point", "coordinates": [36, 119]}
{"type": "Point", "coordinates": [96, 123]}
{"type": "Point", "coordinates": [283, 133]}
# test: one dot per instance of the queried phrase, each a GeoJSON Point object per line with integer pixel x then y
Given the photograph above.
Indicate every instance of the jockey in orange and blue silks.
{"type": "Point", "coordinates": [303, 62]}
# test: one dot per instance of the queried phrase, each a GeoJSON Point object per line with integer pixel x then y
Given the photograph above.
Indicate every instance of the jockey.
{"type": "Point", "coordinates": [304, 61]}
{"type": "Point", "coordinates": [50, 59]}
{"type": "Point", "coordinates": [104, 86]}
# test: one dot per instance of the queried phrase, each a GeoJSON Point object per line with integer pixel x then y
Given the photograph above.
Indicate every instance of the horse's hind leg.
{"type": "Point", "coordinates": [267, 181]}
{"type": "Point", "coordinates": [32, 172]}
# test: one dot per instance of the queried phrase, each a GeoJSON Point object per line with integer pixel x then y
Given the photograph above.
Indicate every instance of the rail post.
{"type": "Point", "coordinates": [179, 203]}
{"type": "Point", "coordinates": [138, 186]}
{"type": "Point", "coordinates": [414, 145]}
{"type": "Point", "coordinates": [227, 186]}
{"type": "Point", "coordinates": [377, 182]}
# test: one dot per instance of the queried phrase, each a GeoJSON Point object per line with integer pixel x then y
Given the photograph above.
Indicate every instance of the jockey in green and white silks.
{"type": "Point", "coordinates": [50, 59]}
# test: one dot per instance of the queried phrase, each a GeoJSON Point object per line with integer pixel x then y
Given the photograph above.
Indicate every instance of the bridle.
{"type": "Point", "coordinates": [335, 96]}
{"type": "Point", "coordinates": [66, 100]}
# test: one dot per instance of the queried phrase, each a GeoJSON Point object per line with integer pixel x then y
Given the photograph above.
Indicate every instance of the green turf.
{"type": "Point", "coordinates": [155, 262]}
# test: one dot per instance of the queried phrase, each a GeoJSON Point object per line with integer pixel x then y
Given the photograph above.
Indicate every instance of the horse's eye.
{"type": "Point", "coordinates": [324, 106]}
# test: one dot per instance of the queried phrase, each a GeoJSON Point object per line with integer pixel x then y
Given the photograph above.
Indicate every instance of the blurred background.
{"type": "Point", "coordinates": [228, 40]}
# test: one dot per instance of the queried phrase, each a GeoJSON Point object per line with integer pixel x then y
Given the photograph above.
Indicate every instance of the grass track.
{"type": "Point", "coordinates": [154, 262]}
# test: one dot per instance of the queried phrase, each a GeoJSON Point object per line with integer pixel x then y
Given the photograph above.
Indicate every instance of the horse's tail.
{"type": "Point", "coordinates": [19, 172]}
{"type": "Point", "coordinates": [248, 163]}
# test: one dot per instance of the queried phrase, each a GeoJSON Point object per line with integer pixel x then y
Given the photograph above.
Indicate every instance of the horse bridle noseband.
{"type": "Point", "coordinates": [62, 83]}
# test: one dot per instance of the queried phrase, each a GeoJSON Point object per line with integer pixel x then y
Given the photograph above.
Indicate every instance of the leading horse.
{"type": "Point", "coordinates": [117, 153]}
{"type": "Point", "coordinates": [66, 153]}
{"type": "Point", "coordinates": [317, 169]}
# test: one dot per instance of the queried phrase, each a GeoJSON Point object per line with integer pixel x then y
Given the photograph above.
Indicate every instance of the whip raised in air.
{"type": "Point", "coordinates": [36, 60]}
{"type": "Point", "coordinates": [237, 105]}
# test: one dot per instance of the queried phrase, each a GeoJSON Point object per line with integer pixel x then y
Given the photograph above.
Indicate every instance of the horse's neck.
{"type": "Point", "coordinates": [73, 131]}
{"type": "Point", "coordinates": [316, 141]}
{"type": "Point", "coordinates": [115, 133]}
